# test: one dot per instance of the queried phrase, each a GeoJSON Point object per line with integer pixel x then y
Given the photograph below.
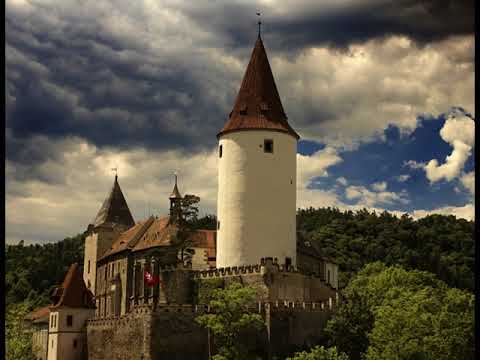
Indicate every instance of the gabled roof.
{"type": "Point", "coordinates": [258, 104]}
{"type": "Point", "coordinates": [114, 209]}
{"type": "Point", "coordinates": [73, 292]}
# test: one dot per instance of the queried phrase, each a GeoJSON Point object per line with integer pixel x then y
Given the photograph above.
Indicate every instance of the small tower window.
{"type": "Point", "coordinates": [220, 151]}
{"type": "Point", "coordinates": [243, 109]}
{"type": "Point", "coordinates": [328, 276]}
{"type": "Point", "coordinates": [218, 225]}
{"type": "Point", "coordinates": [69, 320]}
{"type": "Point", "coordinates": [88, 270]}
{"type": "Point", "coordinates": [268, 146]}
{"type": "Point", "coordinates": [263, 108]}
{"type": "Point", "coordinates": [75, 343]}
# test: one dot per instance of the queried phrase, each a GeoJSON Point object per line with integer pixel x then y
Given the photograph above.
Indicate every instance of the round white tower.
{"type": "Point", "coordinates": [256, 207]}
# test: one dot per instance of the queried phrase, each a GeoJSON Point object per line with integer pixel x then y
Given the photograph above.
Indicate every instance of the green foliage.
{"type": "Point", "coordinates": [32, 271]}
{"type": "Point", "coordinates": [18, 337]}
{"type": "Point", "coordinates": [320, 353]}
{"type": "Point", "coordinates": [392, 313]}
{"type": "Point", "coordinates": [205, 288]}
{"type": "Point", "coordinates": [439, 244]}
{"type": "Point", "coordinates": [230, 318]}
{"type": "Point", "coordinates": [207, 222]}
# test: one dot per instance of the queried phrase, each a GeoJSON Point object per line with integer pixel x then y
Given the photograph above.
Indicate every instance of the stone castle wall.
{"type": "Point", "coordinates": [170, 331]}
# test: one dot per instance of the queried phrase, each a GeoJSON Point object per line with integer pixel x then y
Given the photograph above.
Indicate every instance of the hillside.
{"type": "Point", "coordinates": [439, 244]}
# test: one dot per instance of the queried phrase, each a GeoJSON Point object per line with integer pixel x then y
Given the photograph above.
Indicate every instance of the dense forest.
{"type": "Point", "coordinates": [441, 245]}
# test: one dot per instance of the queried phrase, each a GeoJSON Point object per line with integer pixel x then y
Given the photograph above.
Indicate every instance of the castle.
{"type": "Point", "coordinates": [107, 311]}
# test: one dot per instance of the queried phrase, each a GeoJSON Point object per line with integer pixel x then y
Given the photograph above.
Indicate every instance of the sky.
{"type": "Point", "coordinates": [381, 93]}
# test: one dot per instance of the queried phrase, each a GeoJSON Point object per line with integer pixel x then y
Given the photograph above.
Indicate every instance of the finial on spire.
{"type": "Point", "coordinates": [175, 174]}
{"type": "Point", "coordinates": [259, 14]}
{"type": "Point", "coordinates": [116, 172]}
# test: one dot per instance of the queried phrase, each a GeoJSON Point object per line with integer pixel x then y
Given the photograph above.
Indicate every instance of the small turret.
{"type": "Point", "coordinates": [175, 203]}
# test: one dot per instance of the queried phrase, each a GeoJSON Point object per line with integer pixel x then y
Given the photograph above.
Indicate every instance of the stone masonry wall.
{"type": "Point", "coordinates": [170, 331]}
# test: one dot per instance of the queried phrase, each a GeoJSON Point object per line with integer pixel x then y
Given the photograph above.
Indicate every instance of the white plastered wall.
{"type": "Point", "coordinates": [256, 198]}
{"type": "Point", "coordinates": [61, 336]}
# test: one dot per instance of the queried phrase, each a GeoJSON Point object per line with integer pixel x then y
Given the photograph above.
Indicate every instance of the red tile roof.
{"type": "Point", "coordinates": [73, 292]}
{"type": "Point", "coordinates": [155, 232]}
{"type": "Point", "coordinates": [258, 104]}
{"type": "Point", "coordinates": [39, 314]}
{"type": "Point", "coordinates": [128, 238]}
{"type": "Point", "coordinates": [159, 233]}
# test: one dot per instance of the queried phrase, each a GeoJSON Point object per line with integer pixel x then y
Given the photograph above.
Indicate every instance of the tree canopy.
{"type": "Point", "coordinates": [393, 313]}
{"type": "Point", "coordinates": [230, 318]}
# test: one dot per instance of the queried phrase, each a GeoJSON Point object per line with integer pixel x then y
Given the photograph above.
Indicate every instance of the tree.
{"type": "Point", "coordinates": [187, 219]}
{"type": "Point", "coordinates": [320, 353]}
{"type": "Point", "coordinates": [18, 338]}
{"type": "Point", "coordinates": [392, 313]}
{"type": "Point", "coordinates": [432, 323]}
{"type": "Point", "coordinates": [230, 318]}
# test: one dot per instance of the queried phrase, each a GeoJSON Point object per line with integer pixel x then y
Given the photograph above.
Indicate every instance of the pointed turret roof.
{"type": "Point", "coordinates": [258, 104]}
{"type": "Point", "coordinates": [175, 193]}
{"type": "Point", "coordinates": [73, 292]}
{"type": "Point", "coordinates": [114, 209]}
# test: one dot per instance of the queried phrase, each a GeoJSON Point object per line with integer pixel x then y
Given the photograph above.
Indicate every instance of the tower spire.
{"type": "Point", "coordinates": [259, 14]}
{"type": "Point", "coordinates": [258, 104]}
{"type": "Point", "coordinates": [114, 209]}
{"type": "Point", "coordinates": [175, 203]}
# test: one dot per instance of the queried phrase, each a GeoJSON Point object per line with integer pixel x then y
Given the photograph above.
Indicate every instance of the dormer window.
{"type": "Point", "coordinates": [243, 109]}
{"type": "Point", "coordinates": [263, 108]}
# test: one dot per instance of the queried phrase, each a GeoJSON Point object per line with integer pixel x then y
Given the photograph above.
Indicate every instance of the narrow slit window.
{"type": "Point", "coordinates": [218, 225]}
{"type": "Point", "coordinates": [69, 320]}
{"type": "Point", "coordinates": [88, 267]}
{"type": "Point", "coordinates": [328, 276]}
{"type": "Point", "coordinates": [268, 146]}
{"type": "Point", "coordinates": [220, 151]}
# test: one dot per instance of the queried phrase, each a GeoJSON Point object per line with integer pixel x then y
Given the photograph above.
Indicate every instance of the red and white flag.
{"type": "Point", "coordinates": [150, 280]}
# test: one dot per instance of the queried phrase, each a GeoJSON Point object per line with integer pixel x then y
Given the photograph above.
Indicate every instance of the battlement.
{"type": "Point", "coordinates": [259, 307]}
{"type": "Point", "coordinates": [266, 265]}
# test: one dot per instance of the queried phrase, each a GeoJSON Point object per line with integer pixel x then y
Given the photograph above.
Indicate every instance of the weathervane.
{"type": "Point", "coordinates": [175, 174]}
{"type": "Point", "coordinates": [259, 14]}
{"type": "Point", "coordinates": [116, 171]}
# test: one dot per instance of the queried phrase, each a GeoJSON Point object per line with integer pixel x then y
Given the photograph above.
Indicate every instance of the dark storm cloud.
{"type": "Point", "coordinates": [77, 83]}
{"type": "Point", "coordinates": [337, 24]}
{"type": "Point", "coordinates": [69, 75]}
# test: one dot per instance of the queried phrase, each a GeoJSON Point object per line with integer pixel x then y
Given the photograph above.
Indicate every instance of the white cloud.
{"type": "Point", "coordinates": [379, 186]}
{"type": "Point", "coordinates": [342, 181]}
{"type": "Point", "coordinates": [460, 134]}
{"type": "Point", "coordinates": [402, 178]}
{"type": "Point", "coordinates": [369, 198]}
{"type": "Point", "coordinates": [412, 164]}
{"type": "Point", "coordinates": [353, 96]}
{"type": "Point", "coordinates": [468, 181]}
{"type": "Point", "coordinates": [466, 212]}
{"type": "Point", "coordinates": [315, 165]}
{"type": "Point", "coordinates": [41, 210]}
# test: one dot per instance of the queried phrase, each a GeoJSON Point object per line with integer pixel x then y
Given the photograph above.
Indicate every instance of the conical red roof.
{"type": "Point", "coordinates": [258, 104]}
{"type": "Point", "coordinates": [114, 209]}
